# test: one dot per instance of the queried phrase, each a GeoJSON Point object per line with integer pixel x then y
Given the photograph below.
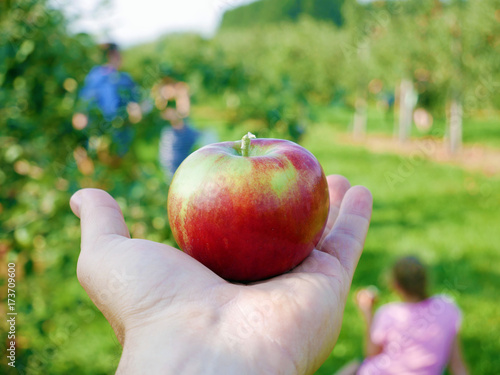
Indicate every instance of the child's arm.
{"type": "Point", "coordinates": [365, 300]}
{"type": "Point", "coordinates": [457, 365]}
{"type": "Point", "coordinates": [371, 348]}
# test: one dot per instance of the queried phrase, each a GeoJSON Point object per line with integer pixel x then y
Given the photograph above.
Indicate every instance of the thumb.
{"type": "Point", "coordinates": [100, 216]}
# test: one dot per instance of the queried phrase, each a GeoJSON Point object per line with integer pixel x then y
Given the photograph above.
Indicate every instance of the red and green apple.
{"type": "Point", "coordinates": [249, 209]}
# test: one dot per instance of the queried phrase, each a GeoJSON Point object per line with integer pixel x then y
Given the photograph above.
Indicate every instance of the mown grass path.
{"type": "Point", "coordinates": [476, 157]}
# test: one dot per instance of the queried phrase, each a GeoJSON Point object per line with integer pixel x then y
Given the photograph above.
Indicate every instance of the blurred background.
{"type": "Point", "coordinates": [400, 96]}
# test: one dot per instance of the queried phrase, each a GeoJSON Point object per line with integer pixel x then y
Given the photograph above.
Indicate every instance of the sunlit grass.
{"type": "Point", "coordinates": [443, 214]}
{"type": "Point", "coordinates": [479, 128]}
{"type": "Point", "coordinates": [436, 215]}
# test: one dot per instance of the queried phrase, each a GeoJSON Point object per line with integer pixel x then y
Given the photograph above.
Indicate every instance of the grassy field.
{"type": "Point", "coordinates": [443, 214]}
{"type": "Point", "coordinates": [447, 216]}
{"type": "Point", "coordinates": [482, 128]}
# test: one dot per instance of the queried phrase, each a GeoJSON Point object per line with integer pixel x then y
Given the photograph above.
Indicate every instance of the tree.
{"type": "Point", "coordinates": [274, 11]}
{"type": "Point", "coordinates": [359, 31]}
{"type": "Point", "coordinates": [41, 66]}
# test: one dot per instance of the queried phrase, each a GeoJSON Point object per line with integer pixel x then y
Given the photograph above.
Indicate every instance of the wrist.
{"type": "Point", "coordinates": [176, 350]}
{"type": "Point", "coordinates": [164, 350]}
{"type": "Point", "coordinates": [191, 349]}
{"type": "Point", "coordinates": [368, 315]}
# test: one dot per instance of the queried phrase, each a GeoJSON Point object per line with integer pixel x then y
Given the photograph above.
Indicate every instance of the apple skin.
{"type": "Point", "coordinates": [252, 217]}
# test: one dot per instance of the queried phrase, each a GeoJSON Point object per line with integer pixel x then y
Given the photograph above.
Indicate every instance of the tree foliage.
{"type": "Point", "coordinates": [268, 75]}
{"type": "Point", "coordinates": [42, 66]}
{"type": "Point", "coordinates": [273, 11]}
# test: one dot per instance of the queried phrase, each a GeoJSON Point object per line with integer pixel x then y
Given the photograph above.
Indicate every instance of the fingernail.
{"type": "Point", "coordinates": [75, 203]}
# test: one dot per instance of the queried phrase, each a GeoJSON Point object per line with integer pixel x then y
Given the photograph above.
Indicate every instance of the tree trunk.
{"type": "Point", "coordinates": [407, 101]}
{"type": "Point", "coordinates": [396, 109]}
{"type": "Point", "coordinates": [359, 125]}
{"type": "Point", "coordinates": [455, 126]}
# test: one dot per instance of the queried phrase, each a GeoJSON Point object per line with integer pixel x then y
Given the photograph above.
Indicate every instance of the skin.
{"type": "Point", "coordinates": [248, 218]}
{"type": "Point", "coordinates": [172, 315]}
{"type": "Point", "coordinates": [365, 299]}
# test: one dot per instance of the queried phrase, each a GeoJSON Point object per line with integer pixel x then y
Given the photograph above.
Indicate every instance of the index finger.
{"type": "Point", "coordinates": [347, 237]}
{"type": "Point", "coordinates": [337, 187]}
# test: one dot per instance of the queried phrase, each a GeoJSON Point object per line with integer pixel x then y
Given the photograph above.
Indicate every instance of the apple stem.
{"type": "Point", "coordinates": [245, 143]}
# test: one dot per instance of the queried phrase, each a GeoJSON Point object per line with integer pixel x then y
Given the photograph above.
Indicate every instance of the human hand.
{"type": "Point", "coordinates": [365, 300]}
{"type": "Point", "coordinates": [173, 315]}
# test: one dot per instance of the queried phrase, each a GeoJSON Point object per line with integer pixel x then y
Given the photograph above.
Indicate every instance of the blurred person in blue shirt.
{"type": "Point", "coordinates": [108, 103]}
{"type": "Point", "coordinates": [176, 143]}
{"type": "Point", "coordinates": [179, 139]}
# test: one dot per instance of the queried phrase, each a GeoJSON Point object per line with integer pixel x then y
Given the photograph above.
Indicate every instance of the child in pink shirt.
{"type": "Point", "coordinates": [415, 337]}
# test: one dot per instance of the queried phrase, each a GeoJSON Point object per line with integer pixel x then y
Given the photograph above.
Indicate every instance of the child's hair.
{"type": "Point", "coordinates": [411, 276]}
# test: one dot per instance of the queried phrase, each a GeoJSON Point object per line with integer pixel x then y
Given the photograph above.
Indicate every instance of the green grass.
{"type": "Point", "coordinates": [483, 128]}
{"type": "Point", "coordinates": [443, 214]}
{"type": "Point", "coordinates": [447, 216]}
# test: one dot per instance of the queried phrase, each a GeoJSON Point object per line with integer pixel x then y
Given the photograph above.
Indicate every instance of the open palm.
{"type": "Point", "coordinates": [174, 315]}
